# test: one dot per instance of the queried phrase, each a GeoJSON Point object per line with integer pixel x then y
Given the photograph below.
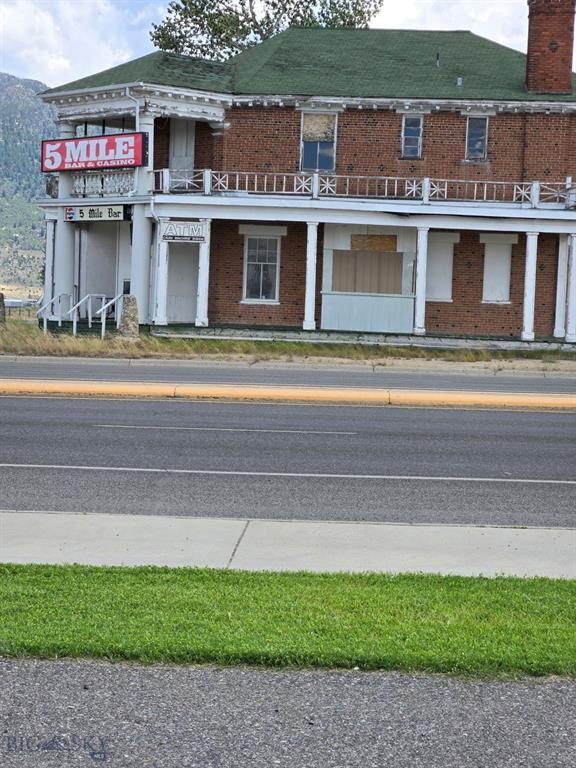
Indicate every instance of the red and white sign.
{"type": "Point", "coordinates": [118, 150]}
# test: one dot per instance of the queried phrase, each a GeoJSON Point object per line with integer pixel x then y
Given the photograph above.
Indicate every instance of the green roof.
{"type": "Point", "coordinates": [363, 63]}
{"type": "Point", "coordinates": [160, 68]}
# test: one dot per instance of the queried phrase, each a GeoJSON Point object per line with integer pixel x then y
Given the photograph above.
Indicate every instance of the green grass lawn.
{"type": "Point", "coordinates": [23, 337]}
{"type": "Point", "coordinates": [464, 626]}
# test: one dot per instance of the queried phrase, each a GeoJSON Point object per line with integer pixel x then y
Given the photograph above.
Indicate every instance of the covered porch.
{"type": "Point", "coordinates": [439, 277]}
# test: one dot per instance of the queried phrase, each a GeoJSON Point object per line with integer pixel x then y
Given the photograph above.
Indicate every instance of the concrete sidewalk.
{"type": "Point", "coordinates": [99, 539]}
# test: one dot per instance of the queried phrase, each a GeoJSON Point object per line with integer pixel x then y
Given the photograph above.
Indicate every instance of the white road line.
{"type": "Point", "coordinates": [223, 429]}
{"type": "Point", "coordinates": [174, 402]}
{"type": "Point", "coordinates": [311, 475]}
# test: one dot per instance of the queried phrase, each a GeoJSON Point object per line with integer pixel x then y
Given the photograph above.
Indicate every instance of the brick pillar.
{"type": "Point", "coordinates": [550, 46]}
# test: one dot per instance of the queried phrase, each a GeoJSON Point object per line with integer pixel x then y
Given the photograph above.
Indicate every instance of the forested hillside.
{"type": "Point", "coordinates": [24, 121]}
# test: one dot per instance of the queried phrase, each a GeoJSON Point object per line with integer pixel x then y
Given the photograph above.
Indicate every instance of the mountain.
{"type": "Point", "coordinates": [24, 121]}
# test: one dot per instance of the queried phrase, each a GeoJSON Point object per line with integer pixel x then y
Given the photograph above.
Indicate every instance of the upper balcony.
{"type": "Point", "coordinates": [424, 190]}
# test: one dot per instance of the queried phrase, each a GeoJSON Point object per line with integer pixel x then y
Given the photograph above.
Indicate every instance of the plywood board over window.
{"type": "Point", "coordinates": [318, 126]}
{"type": "Point", "coordinates": [375, 243]}
{"type": "Point", "coordinates": [367, 272]}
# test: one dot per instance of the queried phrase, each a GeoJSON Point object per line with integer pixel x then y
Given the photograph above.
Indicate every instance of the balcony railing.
{"type": "Point", "coordinates": [424, 190]}
{"type": "Point", "coordinates": [102, 183]}
{"type": "Point", "coordinates": [318, 186]}
{"type": "Point", "coordinates": [95, 184]}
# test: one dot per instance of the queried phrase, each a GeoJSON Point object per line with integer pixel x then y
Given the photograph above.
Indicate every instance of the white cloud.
{"type": "Point", "coordinates": [61, 40]}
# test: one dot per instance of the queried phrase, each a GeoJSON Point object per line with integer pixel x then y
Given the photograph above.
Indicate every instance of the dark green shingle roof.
{"type": "Point", "coordinates": [377, 63]}
{"type": "Point", "coordinates": [160, 68]}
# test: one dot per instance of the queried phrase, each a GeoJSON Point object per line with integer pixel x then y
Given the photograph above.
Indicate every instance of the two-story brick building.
{"type": "Point", "coordinates": [351, 180]}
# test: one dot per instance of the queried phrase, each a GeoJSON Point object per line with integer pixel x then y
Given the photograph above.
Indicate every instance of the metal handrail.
{"type": "Point", "coordinates": [104, 308]}
{"type": "Point", "coordinates": [42, 311]}
{"type": "Point", "coordinates": [88, 298]}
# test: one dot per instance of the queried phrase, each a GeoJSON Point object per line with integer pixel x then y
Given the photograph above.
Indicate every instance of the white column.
{"type": "Point", "coordinates": [571, 298]}
{"type": "Point", "coordinates": [561, 285]}
{"type": "Point", "coordinates": [161, 278]}
{"type": "Point", "coordinates": [142, 228]}
{"type": "Point", "coordinates": [310, 292]}
{"type": "Point", "coordinates": [64, 237]}
{"type": "Point", "coordinates": [144, 181]}
{"type": "Point", "coordinates": [49, 263]}
{"type": "Point", "coordinates": [530, 286]}
{"type": "Point", "coordinates": [140, 260]}
{"type": "Point", "coordinates": [203, 277]}
{"type": "Point", "coordinates": [421, 265]}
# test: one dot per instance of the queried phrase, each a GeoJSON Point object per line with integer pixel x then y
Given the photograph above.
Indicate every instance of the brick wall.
{"type": "Point", "coordinates": [550, 46]}
{"type": "Point", "coordinates": [520, 147]}
{"type": "Point", "coordinates": [227, 275]}
{"type": "Point", "coordinates": [466, 314]}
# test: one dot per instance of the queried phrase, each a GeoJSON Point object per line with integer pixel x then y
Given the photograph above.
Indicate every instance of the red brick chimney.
{"type": "Point", "coordinates": [550, 46]}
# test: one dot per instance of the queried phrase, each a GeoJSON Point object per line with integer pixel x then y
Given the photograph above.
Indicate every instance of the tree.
{"type": "Point", "coordinates": [218, 29]}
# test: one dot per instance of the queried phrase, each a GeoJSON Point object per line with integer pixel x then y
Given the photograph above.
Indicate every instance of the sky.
{"type": "Point", "coordinates": [56, 41]}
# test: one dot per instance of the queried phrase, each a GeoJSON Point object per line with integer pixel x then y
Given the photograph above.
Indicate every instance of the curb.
{"type": "Point", "coordinates": [335, 395]}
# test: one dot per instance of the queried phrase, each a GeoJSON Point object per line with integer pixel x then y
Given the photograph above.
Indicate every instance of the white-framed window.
{"type": "Point", "coordinates": [477, 138]}
{"type": "Point", "coordinates": [318, 150]}
{"type": "Point", "coordinates": [497, 267]}
{"type": "Point", "coordinates": [412, 129]}
{"type": "Point", "coordinates": [261, 270]}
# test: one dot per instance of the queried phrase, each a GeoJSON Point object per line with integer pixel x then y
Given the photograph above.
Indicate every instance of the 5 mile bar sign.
{"type": "Point", "coordinates": [118, 150]}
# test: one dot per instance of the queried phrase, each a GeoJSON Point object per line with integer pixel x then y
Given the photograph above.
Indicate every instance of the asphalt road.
{"type": "Point", "coordinates": [167, 717]}
{"type": "Point", "coordinates": [288, 461]}
{"type": "Point", "coordinates": [348, 375]}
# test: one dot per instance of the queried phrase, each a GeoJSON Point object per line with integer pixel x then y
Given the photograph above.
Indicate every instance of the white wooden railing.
{"type": "Point", "coordinates": [426, 190]}
{"type": "Point", "coordinates": [316, 186]}
{"type": "Point", "coordinates": [102, 183]}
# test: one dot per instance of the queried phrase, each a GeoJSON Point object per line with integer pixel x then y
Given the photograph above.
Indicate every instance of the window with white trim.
{"type": "Point", "coordinates": [318, 141]}
{"type": "Point", "coordinates": [261, 269]}
{"type": "Point", "coordinates": [477, 138]}
{"type": "Point", "coordinates": [497, 268]}
{"type": "Point", "coordinates": [412, 128]}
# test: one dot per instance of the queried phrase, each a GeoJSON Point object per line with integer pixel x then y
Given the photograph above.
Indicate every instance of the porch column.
{"type": "Point", "coordinates": [64, 237]}
{"type": "Point", "coordinates": [310, 294]}
{"type": "Point", "coordinates": [140, 261]}
{"type": "Point", "coordinates": [571, 297]}
{"type": "Point", "coordinates": [161, 277]}
{"type": "Point", "coordinates": [203, 277]}
{"type": "Point", "coordinates": [144, 182]}
{"type": "Point", "coordinates": [49, 263]}
{"type": "Point", "coordinates": [140, 257]}
{"type": "Point", "coordinates": [530, 286]}
{"type": "Point", "coordinates": [421, 265]}
{"type": "Point", "coordinates": [562, 277]}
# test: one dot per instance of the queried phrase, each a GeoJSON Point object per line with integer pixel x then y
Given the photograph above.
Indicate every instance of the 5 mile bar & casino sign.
{"type": "Point", "coordinates": [117, 150]}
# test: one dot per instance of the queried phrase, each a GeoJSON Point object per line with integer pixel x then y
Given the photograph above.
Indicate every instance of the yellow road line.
{"type": "Point", "coordinates": [208, 391]}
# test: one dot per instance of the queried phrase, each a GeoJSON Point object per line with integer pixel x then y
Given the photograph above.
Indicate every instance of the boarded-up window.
{"type": "Point", "coordinates": [318, 132]}
{"type": "Point", "coordinates": [497, 268]}
{"type": "Point", "coordinates": [318, 127]}
{"type": "Point", "coordinates": [367, 272]}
